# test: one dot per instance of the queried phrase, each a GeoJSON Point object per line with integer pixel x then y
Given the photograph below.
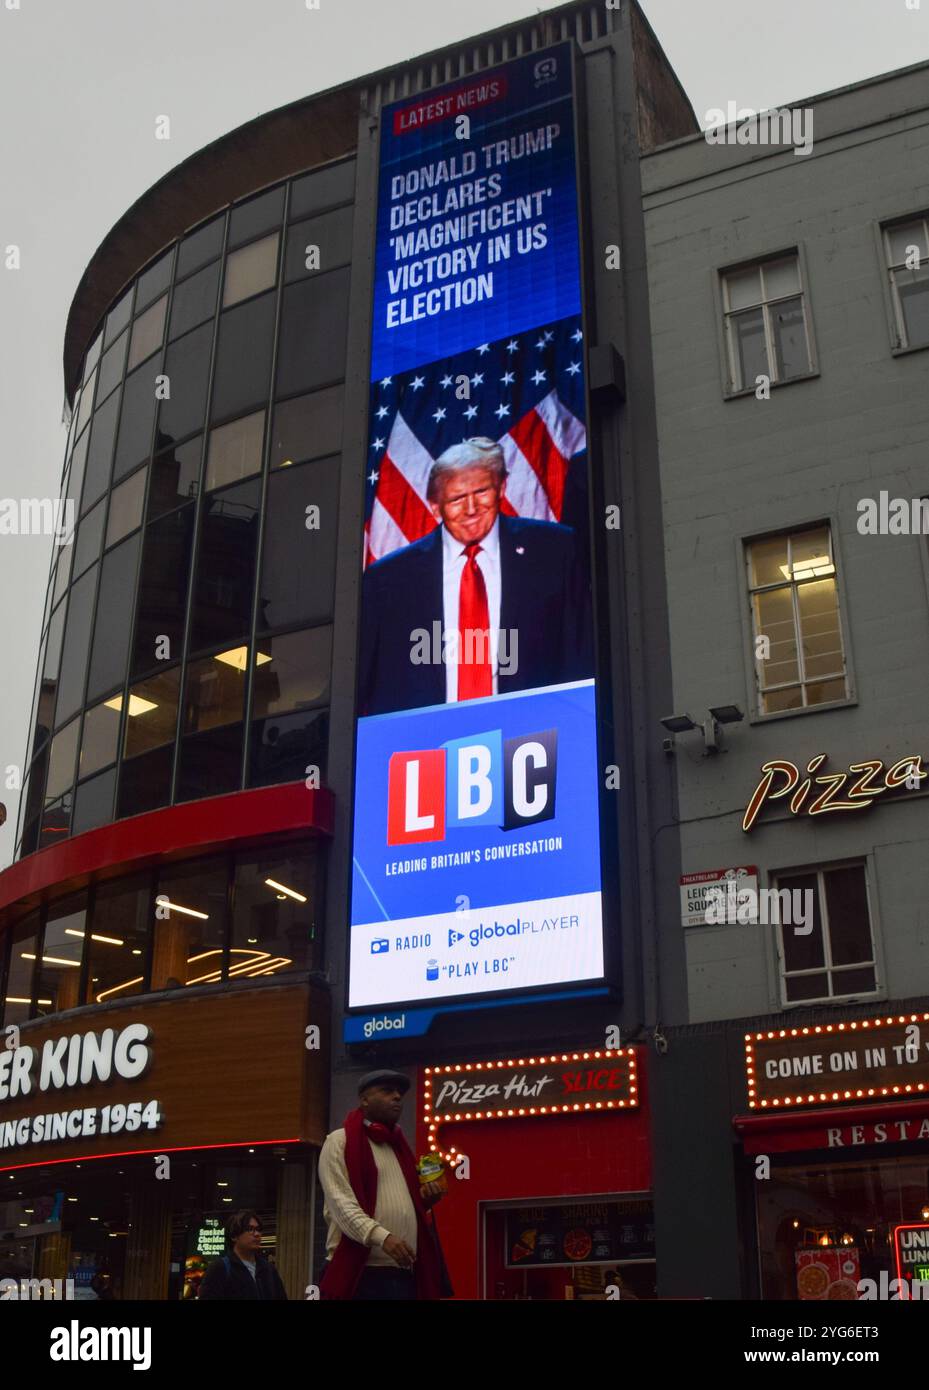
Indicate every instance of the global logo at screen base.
{"type": "Point", "coordinates": [476, 838]}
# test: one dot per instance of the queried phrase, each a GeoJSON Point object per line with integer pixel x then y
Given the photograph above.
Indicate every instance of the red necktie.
{"type": "Point", "coordinates": [475, 675]}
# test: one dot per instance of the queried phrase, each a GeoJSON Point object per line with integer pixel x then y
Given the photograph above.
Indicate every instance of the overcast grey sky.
{"type": "Point", "coordinates": [82, 81]}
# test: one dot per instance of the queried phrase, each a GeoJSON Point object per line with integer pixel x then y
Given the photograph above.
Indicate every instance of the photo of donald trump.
{"type": "Point", "coordinates": [486, 603]}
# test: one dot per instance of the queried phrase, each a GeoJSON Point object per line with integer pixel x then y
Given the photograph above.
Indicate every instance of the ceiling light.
{"type": "Point", "coordinates": [110, 940]}
{"type": "Point", "coordinates": [126, 984]}
{"type": "Point", "coordinates": [50, 960]}
{"type": "Point", "coordinates": [816, 568]}
{"type": "Point", "coordinates": [136, 704]}
{"type": "Point", "coordinates": [163, 901]}
{"type": "Point", "coordinates": [288, 892]}
{"type": "Point", "coordinates": [238, 657]}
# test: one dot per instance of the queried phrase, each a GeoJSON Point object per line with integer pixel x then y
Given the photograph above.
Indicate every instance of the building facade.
{"type": "Point", "coordinates": [792, 412]}
{"type": "Point", "coordinates": [186, 1005]}
{"type": "Point", "coordinates": [188, 800]}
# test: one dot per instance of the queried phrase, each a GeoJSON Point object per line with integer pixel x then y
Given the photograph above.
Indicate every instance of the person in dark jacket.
{"type": "Point", "coordinates": [244, 1272]}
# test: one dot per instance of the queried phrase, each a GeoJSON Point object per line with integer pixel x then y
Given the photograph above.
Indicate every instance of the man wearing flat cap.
{"type": "Point", "coordinates": [379, 1244]}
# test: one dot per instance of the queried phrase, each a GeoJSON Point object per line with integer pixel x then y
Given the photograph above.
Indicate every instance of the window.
{"type": "Point", "coordinates": [331, 234]}
{"type": "Point", "coordinates": [78, 460]}
{"type": "Point", "coordinates": [163, 582]}
{"type": "Point", "coordinates": [243, 358]}
{"type": "Point", "coordinates": [89, 538]}
{"type": "Point", "coordinates": [235, 451]}
{"type": "Point", "coordinates": [100, 738]}
{"type": "Point", "coordinates": [323, 188]}
{"type": "Point", "coordinates": [114, 619]}
{"type": "Point", "coordinates": [137, 417]}
{"type": "Point", "coordinates": [18, 994]}
{"type": "Point", "coordinates": [152, 716]}
{"type": "Point", "coordinates": [222, 605]}
{"type": "Point", "coordinates": [111, 368]}
{"type": "Point", "coordinates": [156, 279]}
{"type": "Point", "coordinates": [256, 216]}
{"type": "Point", "coordinates": [274, 914]}
{"type": "Point", "coordinates": [93, 802]}
{"type": "Point", "coordinates": [102, 435]}
{"type": "Point", "coordinates": [62, 573]}
{"type": "Point", "coordinates": [831, 954]}
{"type": "Point", "coordinates": [118, 319]}
{"type": "Point", "coordinates": [314, 322]}
{"type": "Point", "coordinates": [145, 782]}
{"type": "Point", "coordinates": [298, 564]}
{"type": "Point", "coordinates": [194, 300]}
{"type": "Point", "coordinates": [126, 508]}
{"type": "Point", "coordinates": [87, 400]}
{"type": "Point", "coordinates": [92, 358]}
{"type": "Point", "coordinates": [765, 318]}
{"type": "Point", "coordinates": [283, 747]}
{"type": "Point", "coordinates": [189, 915]}
{"type": "Point", "coordinates": [906, 245]}
{"type": "Point", "coordinates": [201, 246]}
{"type": "Point", "coordinates": [307, 427]}
{"type": "Point", "coordinates": [292, 672]}
{"type": "Point", "coordinates": [148, 332]}
{"type": "Point", "coordinates": [175, 476]}
{"type": "Point", "coordinates": [76, 641]}
{"type": "Point", "coordinates": [250, 270]}
{"type": "Point", "coordinates": [61, 762]}
{"type": "Point", "coordinates": [116, 950]}
{"type": "Point", "coordinates": [796, 625]}
{"type": "Point", "coordinates": [187, 367]}
{"type": "Point", "coordinates": [215, 691]}
{"type": "Point", "coordinates": [58, 975]}
{"type": "Point", "coordinates": [211, 751]}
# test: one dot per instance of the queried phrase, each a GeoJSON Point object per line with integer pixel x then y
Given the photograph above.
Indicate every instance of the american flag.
{"type": "Point", "coordinates": [526, 391]}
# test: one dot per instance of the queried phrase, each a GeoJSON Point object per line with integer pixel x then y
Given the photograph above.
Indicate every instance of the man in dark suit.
{"type": "Point", "coordinates": [485, 604]}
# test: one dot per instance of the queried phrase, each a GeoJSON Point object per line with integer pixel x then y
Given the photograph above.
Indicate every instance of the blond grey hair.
{"type": "Point", "coordinates": [479, 451]}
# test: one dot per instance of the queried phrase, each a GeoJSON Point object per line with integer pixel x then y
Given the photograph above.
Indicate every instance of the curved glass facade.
{"type": "Point", "coordinates": [242, 915]}
{"type": "Point", "coordinates": [187, 630]}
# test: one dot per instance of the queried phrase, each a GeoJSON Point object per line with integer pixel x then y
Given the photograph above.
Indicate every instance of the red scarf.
{"type": "Point", "coordinates": [347, 1265]}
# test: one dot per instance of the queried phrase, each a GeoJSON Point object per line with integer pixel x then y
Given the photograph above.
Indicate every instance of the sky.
{"type": "Point", "coordinates": [83, 81]}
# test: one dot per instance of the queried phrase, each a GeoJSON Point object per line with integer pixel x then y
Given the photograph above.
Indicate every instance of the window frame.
{"type": "Point", "coordinates": [781, 975]}
{"type": "Point", "coordinates": [723, 315]}
{"type": "Point", "coordinates": [743, 543]}
{"type": "Point", "coordinates": [895, 321]}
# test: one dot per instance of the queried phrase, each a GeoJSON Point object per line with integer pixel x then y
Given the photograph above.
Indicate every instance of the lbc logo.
{"type": "Point", "coordinates": [481, 780]}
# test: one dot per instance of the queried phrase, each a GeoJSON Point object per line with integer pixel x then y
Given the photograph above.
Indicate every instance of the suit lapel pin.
{"type": "Point", "coordinates": [520, 550]}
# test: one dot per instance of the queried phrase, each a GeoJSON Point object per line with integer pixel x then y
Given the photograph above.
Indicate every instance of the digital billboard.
{"type": "Point", "coordinates": [476, 841]}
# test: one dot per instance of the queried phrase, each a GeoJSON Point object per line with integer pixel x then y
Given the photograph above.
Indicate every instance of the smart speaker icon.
{"type": "Point", "coordinates": [432, 969]}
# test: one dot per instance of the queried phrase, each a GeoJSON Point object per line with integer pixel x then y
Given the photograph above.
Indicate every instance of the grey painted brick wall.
{"type": "Point", "coordinates": [732, 468]}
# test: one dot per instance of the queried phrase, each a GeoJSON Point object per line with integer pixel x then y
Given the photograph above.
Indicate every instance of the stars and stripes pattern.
{"type": "Point", "coordinates": [526, 391]}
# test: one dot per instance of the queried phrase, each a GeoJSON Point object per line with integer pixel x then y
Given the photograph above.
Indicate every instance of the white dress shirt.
{"type": "Point", "coordinates": [453, 563]}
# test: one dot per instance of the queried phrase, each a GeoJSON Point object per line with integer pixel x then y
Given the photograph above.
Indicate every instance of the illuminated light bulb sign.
{"type": "Point", "coordinates": [829, 1063]}
{"type": "Point", "coordinates": [560, 1084]}
{"type": "Point", "coordinates": [854, 790]}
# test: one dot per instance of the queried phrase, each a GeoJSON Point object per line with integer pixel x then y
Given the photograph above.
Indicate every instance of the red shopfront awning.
{"type": "Point", "coordinates": [839, 1129]}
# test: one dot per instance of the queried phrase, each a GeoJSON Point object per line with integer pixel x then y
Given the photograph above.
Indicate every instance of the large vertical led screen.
{"type": "Point", "coordinates": [476, 847]}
